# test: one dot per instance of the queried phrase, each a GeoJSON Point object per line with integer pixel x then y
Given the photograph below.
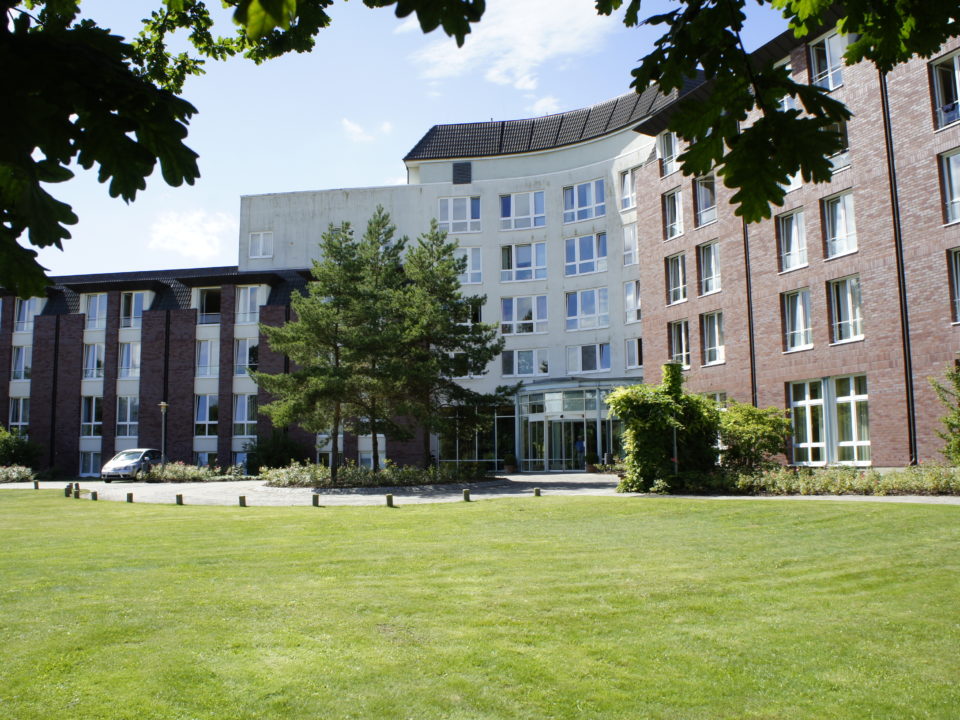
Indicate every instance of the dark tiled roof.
{"type": "Point", "coordinates": [505, 137]}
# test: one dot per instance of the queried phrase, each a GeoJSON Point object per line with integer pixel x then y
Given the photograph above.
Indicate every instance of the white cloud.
{"type": "Point", "coordinates": [386, 127]}
{"type": "Point", "coordinates": [355, 132]}
{"type": "Point", "coordinates": [407, 26]}
{"type": "Point", "coordinates": [515, 39]}
{"type": "Point", "coordinates": [544, 106]}
{"type": "Point", "coordinates": [193, 234]}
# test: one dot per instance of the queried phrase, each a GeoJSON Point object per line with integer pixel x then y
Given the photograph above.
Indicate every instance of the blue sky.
{"type": "Point", "coordinates": [346, 114]}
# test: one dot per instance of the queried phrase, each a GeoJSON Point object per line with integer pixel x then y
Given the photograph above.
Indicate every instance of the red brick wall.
{"type": "Point", "coordinates": [111, 363]}
{"type": "Point", "coordinates": [228, 302]}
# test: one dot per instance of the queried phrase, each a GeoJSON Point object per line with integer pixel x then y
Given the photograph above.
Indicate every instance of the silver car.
{"type": "Point", "coordinates": [128, 464]}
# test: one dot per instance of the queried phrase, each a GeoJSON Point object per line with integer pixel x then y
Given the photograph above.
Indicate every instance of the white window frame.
{"type": "Point", "coordinates": [210, 368]}
{"type": "Point", "coordinates": [89, 463]}
{"type": "Point", "coordinates": [853, 437]}
{"type": "Point", "coordinates": [209, 318]}
{"type": "Point", "coordinates": [628, 190]}
{"type": "Point", "coordinates": [708, 262]}
{"type": "Point", "coordinates": [514, 363]}
{"type": "Point", "coordinates": [535, 210]}
{"type": "Point", "coordinates": [630, 249]}
{"type": "Point", "coordinates": [19, 416]}
{"type": "Point", "coordinates": [676, 266]}
{"type": "Point", "coordinates": [827, 71]}
{"type": "Point", "coordinates": [797, 328]}
{"type": "Point", "coordinates": [840, 224]}
{"type": "Point", "coordinates": [22, 362]}
{"type": "Point", "coordinates": [205, 421]}
{"type": "Point", "coordinates": [672, 207]}
{"type": "Point", "coordinates": [585, 255]}
{"type": "Point", "coordinates": [95, 308]}
{"type": "Point", "coordinates": [631, 301]}
{"type": "Point", "coordinates": [792, 235]}
{"type": "Point", "coordinates": [596, 298]}
{"type": "Point", "coordinates": [261, 244]}
{"type": "Point", "coordinates": [840, 159]}
{"type": "Point", "coordinates": [705, 199]}
{"type": "Point", "coordinates": [246, 355]}
{"type": "Point", "coordinates": [950, 174]}
{"type": "Point", "coordinates": [946, 90]}
{"type": "Point", "coordinates": [523, 314]}
{"type": "Point", "coordinates": [248, 304]}
{"type": "Point", "coordinates": [459, 215]}
{"type": "Point", "coordinates": [805, 396]}
{"type": "Point", "coordinates": [846, 307]}
{"type": "Point", "coordinates": [93, 356]}
{"type": "Point", "coordinates": [633, 353]}
{"type": "Point", "coordinates": [128, 354]}
{"type": "Point", "coordinates": [205, 458]}
{"type": "Point", "coordinates": [667, 153]}
{"type": "Point", "coordinates": [953, 259]}
{"type": "Point", "coordinates": [91, 416]}
{"type": "Point", "coordinates": [128, 416]}
{"type": "Point", "coordinates": [678, 335]}
{"type": "Point", "coordinates": [711, 334]}
{"type": "Point", "coordinates": [535, 270]}
{"type": "Point", "coordinates": [24, 311]}
{"type": "Point", "coordinates": [245, 415]}
{"type": "Point", "coordinates": [595, 354]}
{"type": "Point", "coordinates": [131, 308]}
{"type": "Point", "coordinates": [584, 201]}
{"type": "Point", "coordinates": [473, 269]}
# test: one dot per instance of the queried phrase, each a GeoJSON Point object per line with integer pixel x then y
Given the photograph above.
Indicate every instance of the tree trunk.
{"type": "Point", "coordinates": [334, 444]}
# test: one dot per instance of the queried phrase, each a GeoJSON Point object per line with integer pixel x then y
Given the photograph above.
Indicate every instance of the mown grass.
{"type": "Point", "coordinates": [526, 608]}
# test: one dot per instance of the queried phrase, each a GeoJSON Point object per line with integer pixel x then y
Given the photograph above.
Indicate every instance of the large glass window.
{"type": "Point", "coordinates": [631, 300]}
{"type": "Point", "coordinates": [628, 195]}
{"type": "Point", "coordinates": [520, 211]}
{"type": "Point", "coordinates": [841, 158]}
{"type": "Point", "coordinates": [248, 306]}
{"type": "Point", "coordinates": [95, 308]}
{"type": "Point", "coordinates": [473, 269]}
{"type": "Point", "coordinates": [708, 256]}
{"type": "Point", "coordinates": [588, 358]}
{"type": "Point", "coordinates": [672, 214]}
{"type": "Point", "coordinates": [676, 266]}
{"type": "Point", "coordinates": [667, 153]}
{"type": "Point", "coordinates": [92, 360]}
{"type": "Point", "coordinates": [586, 254]}
{"type": "Point", "coordinates": [953, 257]}
{"type": "Point", "coordinates": [587, 309]}
{"type": "Point", "coordinates": [524, 362]}
{"type": "Point", "coordinates": [826, 60]}
{"type": "Point", "coordinates": [128, 416]}
{"type": "Point", "coordinates": [261, 244]}
{"type": "Point", "coordinates": [19, 416]}
{"type": "Point", "coordinates": [208, 358]}
{"type": "Point", "coordinates": [89, 463]}
{"type": "Point", "coordinates": [131, 309]}
{"type": "Point", "coordinates": [129, 360]}
{"type": "Point", "coordinates": [584, 201]}
{"type": "Point", "coordinates": [246, 354]}
{"type": "Point", "coordinates": [23, 313]}
{"type": "Point", "coordinates": [711, 331]}
{"type": "Point", "coordinates": [245, 415]}
{"type": "Point", "coordinates": [853, 422]}
{"type": "Point", "coordinates": [798, 334]}
{"type": "Point", "coordinates": [793, 240]}
{"type": "Point", "coordinates": [209, 306]}
{"type": "Point", "coordinates": [946, 84]}
{"type": "Point", "coordinates": [840, 226]}
{"type": "Point", "coordinates": [91, 416]}
{"type": "Point", "coordinates": [459, 214]}
{"type": "Point", "coordinates": [845, 306]}
{"type": "Point", "coordinates": [205, 416]}
{"type": "Point", "coordinates": [806, 411]}
{"type": "Point", "coordinates": [630, 244]}
{"type": "Point", "coordinates": [705, 194]}
{"type": "Point", "coordinates": [22, 362]}
{"type": "Point", "coordinates": [634, 353]}
{"type": "Point", "coordinates": [526, 314]}
{"type": "Point", "coordinates": [679, 342]}
{"type": "Point", "coordinates": [950, 169]}
{"type": "Point", "coordinates": [523, 262]}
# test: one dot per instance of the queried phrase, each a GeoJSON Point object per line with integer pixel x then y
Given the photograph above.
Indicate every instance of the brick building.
{"type": "Point", "coordinates": [838, 308]}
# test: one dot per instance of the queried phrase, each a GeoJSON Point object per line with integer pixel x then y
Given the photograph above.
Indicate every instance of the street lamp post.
{"type": "Point", "coordinates": [163, 433]}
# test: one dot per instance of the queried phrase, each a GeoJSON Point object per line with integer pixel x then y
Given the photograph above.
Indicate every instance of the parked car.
{"type": "Point", "coordinates": [127, 464]}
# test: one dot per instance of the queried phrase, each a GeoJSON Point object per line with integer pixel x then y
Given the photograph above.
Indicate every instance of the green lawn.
{"type": "Point", "coordinates": [525, 608]}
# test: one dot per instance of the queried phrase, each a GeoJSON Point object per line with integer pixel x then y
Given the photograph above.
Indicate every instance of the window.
{"type": "Point", "coordinates": [583, 201]}
{"type": "Point", "coordinates": [797, 332]}
{"type": "Point", "coordinates": [630, 244]}
{"type": "Point", "coordinates": [826, 60]}
{"type": "Point", "coordinates": [588, 358]}
{"type": "Point", "coordinates": [22, 361]}
{"type": "Point", "coordinates": [587, 309]}
{"type": "Point", "coordinates": [209, 306]}
{"type": "Point", "coordinates": [91, 416]}
{"type": "Point", "coordinates": [520, 211]}
{"type": "Point", "coordinates": [128, 416]}
{"type": "Point", "coordinates": [207, 358]}
{"type": "Point", "coordinates": [788, 102]}
{"type": "Point", "coordinates": [840, 225]}
{"type": "Point", "coordinates": [92, 360]}
{"type": "Point", "coordinates": [89, 463]}
{"type": "Point", "coordinates": [705, 195]}
{"type": "Point", "coordinates": [586, 254]}
{"type": "Point", "coordinates": [667, 153]}
{"type": "Point", "coordinates": [631, 300]}
{"type": "Point", "coordinates": [950, 169]}
{"type": "Point", "coordinates": [953, 257]}
{"type": "Point", "coordinates": [676, 278]}
{"type": "Point", "coordinates": [841, 158]}
{"type": "Point", "coordinates": [852, 420]}
{"type": "Point", "coordinates": [524, 362]}
{"type": "Point", "coordinates": [245, 415]}
{"type": "Point", "coordinates": [679, 342]}
{"type": "Point", "coordinates": [672, 214]}
{"type": "Point", "coordinates": [248, 305]}
{"type": "Point", "coordinates": [96, 309]}
{"type": "Point", "coordinates": [526, 314]}
{"type": "Point", "coordinates": [131, 309]}
{"type": "Point", "coordinates": [628, 195]}
{"type": "Point", "coordinates": [711, 333]}
{"type": "Point", "coordinates": [473, 269]}
{"type": "Point", "coordinates": [205, 417]}
{"type": "Point", "coordinates": [19, 416]}
{"type": "Point", "coordinates": [23, 313]}
{"type": "Point", "coordinates": [261, 244]}
{"type": "Point", "coordinates": [459, 214]}
{"type": "Point", "coordinates": [523, 262]}
{"type": "Point", "coordinates": [129, 360]}
{"type": "Point", "coordinates": [246, 353]}
{"type": "Point", "coordinates": [634, 353]}
{"type": "Point", "coordinates": [461, 173]}
{"type": "Point", "coordinates": [945, 88]}
{"type": "Point", "coordinates": [205, 459]}
{"type": "Point", "coordinates": [845, 307]}
{"type": "Point", "coordinates": [806, 412]}
{"type": "Point", "coordinates": [708, 256]}
{"type": "Point", "coordinates": [240, 458]}
{"type": "Point", "coordinates": [793, 241]}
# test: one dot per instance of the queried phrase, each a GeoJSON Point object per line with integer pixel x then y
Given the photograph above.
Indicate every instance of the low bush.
{"type": "Point", "coordinates": [351, 475]}
{"type": "Point", "coordinates": [17, 451]}
{"type": "Point", "coordinates": [181, 472]}
{"type": "Point", "coordinates": [15, 473]}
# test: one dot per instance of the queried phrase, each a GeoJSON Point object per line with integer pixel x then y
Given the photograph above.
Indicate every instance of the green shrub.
{"type": "Point", "coordinates": [352, 475]}
{"type": "Point", "coordinates": [751, 436]}
{"type": "Point", "coordinates": [274, 451]}
{"type": "Point", "coordinates": [920, 480]}
{"type": "Point", "coordinates": [15, 473]}
{"type": "Point", "coordinates": [949, 395]}
{"type": "Point", "coordinates": [181, 472]}
{"type": "Point", "coordinates": [15, 450]}
{"type": "Point", "coordinates": [297, 475]}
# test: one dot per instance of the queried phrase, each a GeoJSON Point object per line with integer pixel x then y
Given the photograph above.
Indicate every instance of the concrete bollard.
{"type": "Point", "coordinates": [179, 499]}
{"type": "Point", "coordinates": [243, 501]}
{"type": "Point", "coordinates": [67, 489]}
{"type": "Point", "coordinates": [316, 500]}
{"type": "Point", "coordinates": [36, 484]}
{"type": "Point", "coordinates": [466, 494]}
{"type": "Point", "coordinates": [94, 495]}
{"type": "Point", "coordinates": [389, 500]}
{"type": "Point", "coordinates": [76, 490]}
{"type": "Point", "coordinates": [129, 497]}
{"type": "Point", "coordinates": [536, 492]}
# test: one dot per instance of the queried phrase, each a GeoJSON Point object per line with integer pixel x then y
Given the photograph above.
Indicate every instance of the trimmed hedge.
{"type": "Point", "coordinates": [390, 475]}
{"type": "Point", "coordinates": [181, 472]}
